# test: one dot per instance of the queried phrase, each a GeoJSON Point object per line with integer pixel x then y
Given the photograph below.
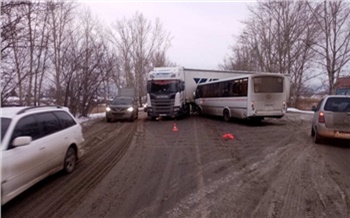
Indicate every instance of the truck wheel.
{"type": "Point", "coordinates": [226, 115]}
{"type": "Point", "coordinates": [187, 110]}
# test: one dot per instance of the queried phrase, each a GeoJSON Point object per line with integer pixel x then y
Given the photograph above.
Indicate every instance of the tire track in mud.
{"type": "Point", "coordinates": [169, 179]}
{"type": "Point", "coordinates": [60, 197]}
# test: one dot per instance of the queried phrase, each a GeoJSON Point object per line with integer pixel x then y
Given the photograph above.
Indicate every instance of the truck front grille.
{"type": "Point", "coordinates": [162, 106]}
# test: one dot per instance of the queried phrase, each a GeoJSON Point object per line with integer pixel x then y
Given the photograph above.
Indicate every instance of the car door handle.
{"type": "Point", "coordinates": [42, 148]}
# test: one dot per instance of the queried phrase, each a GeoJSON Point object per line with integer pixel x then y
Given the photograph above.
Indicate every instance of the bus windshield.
{"type": "Point", "coordinates": [163, 86]}
{"type": "Point", "coordinates": [268, 84]}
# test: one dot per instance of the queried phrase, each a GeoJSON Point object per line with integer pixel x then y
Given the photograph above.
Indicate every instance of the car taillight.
{"type": "Point", "coordinates": [321, 117]}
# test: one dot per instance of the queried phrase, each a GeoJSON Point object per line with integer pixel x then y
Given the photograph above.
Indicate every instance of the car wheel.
{"type": "Point", "coordinates": [226, 115]}
{"type": "Point", "coordinates": [70, 160]}
{"type": "Point", "coordinates": [200, 112]}
{"type": "Point", "coordinates": [312, 132]}
{"type": "Point", "coordinates": [108, 120]}
{"type": "Point", "coordinates": [317, 137]}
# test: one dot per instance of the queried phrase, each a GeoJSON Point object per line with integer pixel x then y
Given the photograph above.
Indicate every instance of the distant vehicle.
{"type": "Point", "coordinates": [35, 143]}
{"type": "Point", "coordinates": [253, 96]}
{"type": "Point", "coordinates": [342, 86]}
{"type": "Point", "coordinates": [170, 89]}
{"type": "Point", "coordinates": [331, 118]}
{"type": "Point", "coordinates": [145, 107]}
{"type": "Point", "coordinates": [122, 108]}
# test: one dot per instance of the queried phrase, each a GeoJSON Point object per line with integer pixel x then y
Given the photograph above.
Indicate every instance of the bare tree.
{"type": "Point", "coordinates": [278, 37]}
{"type": "Point", "coordinates": [13, 16]}
{"type": "Point", "coordinates": [138, 42]}
{"type": "Point", "coordinates": [61, 18]}
{"type": "Point", "coordinates": [333, 48]}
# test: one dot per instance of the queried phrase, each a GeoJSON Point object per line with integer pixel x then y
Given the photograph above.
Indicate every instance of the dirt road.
{"type": "Point", "coordinates": [144, 169]}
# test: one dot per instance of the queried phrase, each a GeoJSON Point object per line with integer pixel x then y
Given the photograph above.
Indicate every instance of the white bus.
{"type": "Point", "coordinates": [253, 96]}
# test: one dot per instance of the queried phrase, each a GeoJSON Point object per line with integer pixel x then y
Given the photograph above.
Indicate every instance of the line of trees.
{"type": "Point", "coordinates": [301, 38]}
{"type": "Point", "coordinates": [57, 51]}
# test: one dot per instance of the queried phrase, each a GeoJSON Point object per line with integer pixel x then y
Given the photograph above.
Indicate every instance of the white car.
{"type": "Point", "coordinates": [35, 143]}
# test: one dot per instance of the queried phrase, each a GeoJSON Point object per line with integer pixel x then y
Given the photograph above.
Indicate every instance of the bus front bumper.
{"type": "Point", "coordinates": [274, 114]}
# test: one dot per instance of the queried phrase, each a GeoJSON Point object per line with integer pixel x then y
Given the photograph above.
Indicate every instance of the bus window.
{"type": "Point", "coordinates": [268, 84]}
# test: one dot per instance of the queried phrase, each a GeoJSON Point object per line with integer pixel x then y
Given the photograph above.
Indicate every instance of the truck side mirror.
{"type": "Point", "coordinates": [182, 86]}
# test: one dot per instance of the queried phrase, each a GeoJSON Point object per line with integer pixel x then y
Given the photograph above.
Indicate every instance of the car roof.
{"type": "Point", "coordinates": [338, 96]}
{"type": "Point", "coordinates": [11, 112]}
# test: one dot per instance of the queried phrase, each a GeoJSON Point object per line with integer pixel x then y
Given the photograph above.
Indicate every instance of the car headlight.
{"type": "Point", "coordinates": [108, 109]}
{"type": "Point", "coordinates": [130, 109]}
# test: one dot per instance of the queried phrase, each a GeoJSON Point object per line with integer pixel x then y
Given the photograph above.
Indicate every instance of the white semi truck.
{"type": "Point", "coordinates": [170, 89]}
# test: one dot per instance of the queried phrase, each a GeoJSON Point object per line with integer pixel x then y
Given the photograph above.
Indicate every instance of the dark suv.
{"type": "Point", "coordinates": [122, 108]}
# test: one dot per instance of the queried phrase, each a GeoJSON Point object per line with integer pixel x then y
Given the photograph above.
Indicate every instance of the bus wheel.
{"type": "Point", "coordinates": [226, 115]}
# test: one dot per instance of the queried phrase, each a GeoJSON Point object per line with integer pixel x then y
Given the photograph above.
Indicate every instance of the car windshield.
{"type": "Point", "coordinates": [5, 122]}
{"type": "Point", "coordinates": [122, 101]}
{"type": "Point", "coordinates": [337, 105]}
{"type": "Point", "coordinates": [163, 86]}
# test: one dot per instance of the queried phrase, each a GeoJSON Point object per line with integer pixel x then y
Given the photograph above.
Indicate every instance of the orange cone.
{"type": "Point", "coordinates": [175, 128]}
{"type": "Point", "coordinates": [228, 136]}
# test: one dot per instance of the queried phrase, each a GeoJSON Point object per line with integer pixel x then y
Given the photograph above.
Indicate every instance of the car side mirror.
{"type": "Point", "coordinates": [22, 141]}
{"type": "Point", "coordinates": [313, 108]}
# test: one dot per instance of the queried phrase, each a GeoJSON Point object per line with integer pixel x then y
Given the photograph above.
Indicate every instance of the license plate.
{"type": "Point", "coordinates": [162, 115]}
{"type": "Point", "coordinates": [341, 133]}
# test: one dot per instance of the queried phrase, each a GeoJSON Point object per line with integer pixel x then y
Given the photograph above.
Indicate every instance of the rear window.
{"type": "Point", "coordinates": [268, 84]}
{"type": "Point", "coordinates": [337, 105]}
{"type": "Point", "coordinates": [5, 122]}
{"type": "Point", "coordinates": [65, 119]}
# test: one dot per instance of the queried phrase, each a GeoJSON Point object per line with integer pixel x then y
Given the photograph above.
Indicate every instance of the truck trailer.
{"type": "Point", "coordinates": [170, 90]}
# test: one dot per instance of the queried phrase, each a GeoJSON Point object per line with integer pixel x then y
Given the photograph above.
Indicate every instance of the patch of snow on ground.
{"type": "Point", "coordinates": [294, 110]}
{"type": "Point", "coordinates": [91, 117]}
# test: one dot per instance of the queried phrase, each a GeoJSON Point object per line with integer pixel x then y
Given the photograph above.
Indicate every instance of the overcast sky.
{"type": "Point", "coordinates": [202, 31]}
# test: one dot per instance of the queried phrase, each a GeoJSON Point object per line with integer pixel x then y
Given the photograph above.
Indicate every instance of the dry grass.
{"type": "Point", "coordinates": [99, 109]}
{"type": "Point", "coordinates": [307, 103]}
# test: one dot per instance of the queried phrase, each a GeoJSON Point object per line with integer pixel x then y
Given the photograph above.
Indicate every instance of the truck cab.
{"type": "Point", "coordinates": [165, 93]}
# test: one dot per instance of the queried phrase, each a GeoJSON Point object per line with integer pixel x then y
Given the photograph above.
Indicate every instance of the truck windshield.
{"type": "Point", "coordinates": [163, 86]}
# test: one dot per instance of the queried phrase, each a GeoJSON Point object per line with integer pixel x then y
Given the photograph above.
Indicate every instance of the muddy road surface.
{"type": "Point", "coordinates": [145, 169]}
